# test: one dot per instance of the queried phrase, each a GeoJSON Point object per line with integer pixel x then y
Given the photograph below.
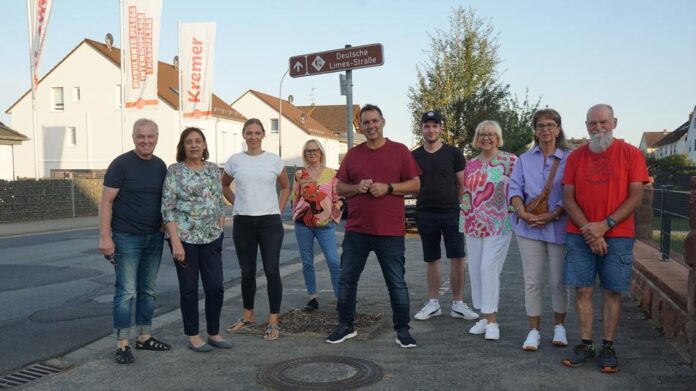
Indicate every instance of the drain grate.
{"type": "Point", "coordinates": [29, 374]}
{"type": "Point", "coordinates": [324, 373]}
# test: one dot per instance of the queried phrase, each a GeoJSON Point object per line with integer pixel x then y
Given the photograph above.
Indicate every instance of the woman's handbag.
{"type": "Point", "coordinates": [540, 203]}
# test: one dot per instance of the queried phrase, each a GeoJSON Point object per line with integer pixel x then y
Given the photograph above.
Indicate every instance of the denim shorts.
{"type": "Point", "coordinates": [615, 269]}
{"type": "Point", "coordinates": [432, 227]}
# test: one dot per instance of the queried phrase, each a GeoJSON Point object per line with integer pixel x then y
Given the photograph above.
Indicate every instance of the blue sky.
{"type": "Point", "coordinates": [637, 55]}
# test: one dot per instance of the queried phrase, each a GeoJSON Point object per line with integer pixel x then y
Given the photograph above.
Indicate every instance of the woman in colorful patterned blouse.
{"type": "Point", "coordinates": [316, 208]}
{"type": "Point", "coordinates": [192, 209]}
{"type": "Point", "coordinates": [485, 221]}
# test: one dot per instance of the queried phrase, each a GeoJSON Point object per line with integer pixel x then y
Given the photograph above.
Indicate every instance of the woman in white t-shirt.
{"type": "Point", "coordinates": [257, 221]}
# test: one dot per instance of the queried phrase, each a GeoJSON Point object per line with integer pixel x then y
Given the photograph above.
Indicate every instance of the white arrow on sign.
{"type": "Point", "coordinates": [318, 63]}
{"type": "Point", "coordinates": [298, 66]}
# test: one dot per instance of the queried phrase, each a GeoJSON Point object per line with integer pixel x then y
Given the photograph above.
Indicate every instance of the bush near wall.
{"type": "Point", "coordinates": [30, 200]}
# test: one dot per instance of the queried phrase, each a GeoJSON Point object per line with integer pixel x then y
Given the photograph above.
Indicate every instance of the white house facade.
{"type": "Point", "coordinates": [9, 140]}
{"type": "Point", "coordinates": [295, 126]}
{"type": "Point", "coordinates": [691, 135]}
{"type": "Point", "coordinates": [79, 119]}
{"type": "Point", "coordinates": [673, 143]}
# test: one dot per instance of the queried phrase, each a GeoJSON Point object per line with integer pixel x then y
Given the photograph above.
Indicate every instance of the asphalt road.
{"type": "Point", "coordinates": [56, 292]}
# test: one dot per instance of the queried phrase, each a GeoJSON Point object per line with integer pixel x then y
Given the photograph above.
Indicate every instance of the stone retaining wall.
{"type": "Point", "coordinates": [31, 200]}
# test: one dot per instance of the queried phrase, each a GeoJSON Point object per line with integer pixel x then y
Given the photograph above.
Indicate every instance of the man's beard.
{"type": "Point", "coordinates": [600, 142]}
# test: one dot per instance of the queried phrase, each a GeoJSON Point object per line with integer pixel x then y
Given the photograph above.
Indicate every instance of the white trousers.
{"type": "Point", "coordinates": [534, 254]}
{"type": "Point", "coordinates": [486, 257]}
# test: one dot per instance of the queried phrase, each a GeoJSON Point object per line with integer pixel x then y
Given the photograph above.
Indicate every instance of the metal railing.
{"type": "Point", "coordinates": [670, 221]}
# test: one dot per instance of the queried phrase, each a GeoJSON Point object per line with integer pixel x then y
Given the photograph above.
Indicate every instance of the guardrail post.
{"type": "Point", "coordinates": [690, 258]}
{"type": "Point", "coordinates": [665, 225]}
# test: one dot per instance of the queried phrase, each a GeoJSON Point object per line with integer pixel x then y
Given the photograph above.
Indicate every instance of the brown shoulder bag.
{"type": "Point", "coordinates": [540, 204]}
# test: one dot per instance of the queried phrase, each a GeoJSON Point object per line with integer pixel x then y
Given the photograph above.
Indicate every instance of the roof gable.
{"type": "Point", "coordinates": [167, 81]}
{"type": "Point", "coordinates": [651, 138]}
{"type": "Point", "coordinates": [675, 136]}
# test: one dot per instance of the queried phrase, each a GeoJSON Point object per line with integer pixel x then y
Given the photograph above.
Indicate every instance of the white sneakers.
{"type": "Point", "coordinates": [479, 327]}
{"type": "Point", "coordinates": [430, 309]}
{"type": "Point", "coordinates": [559, 335]}
{"type": "Point", "coordinates": [459, 309]}
{"type": "Point", "coordinates": [491, 330]}
{"type": "Point", "coordinates": [531, 344]}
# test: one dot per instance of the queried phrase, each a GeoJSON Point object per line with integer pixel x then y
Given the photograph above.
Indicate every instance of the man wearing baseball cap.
{"type": "Point", "coordinates": [437, 216]}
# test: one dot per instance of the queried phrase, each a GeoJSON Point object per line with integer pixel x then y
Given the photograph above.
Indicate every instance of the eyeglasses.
{"type": "Point", "coordinates": [489, 136]}
{"type": "Point", "coordinates": [549, 125]}
{"type": "Point", "coordinates": [308, 151]}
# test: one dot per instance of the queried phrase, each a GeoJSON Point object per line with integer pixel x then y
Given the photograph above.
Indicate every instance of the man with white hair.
{"type": "Point", "coordinates": [603, 185]}
{"type": "Point", "coordinates": [131, 236]}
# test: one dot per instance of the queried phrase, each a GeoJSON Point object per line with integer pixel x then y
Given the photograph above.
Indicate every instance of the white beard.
{"type": "Point", "coordinates": [600, 142]}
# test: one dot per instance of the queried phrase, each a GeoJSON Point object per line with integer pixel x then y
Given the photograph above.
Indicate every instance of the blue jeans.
{"type": "Point", "coordinates": [137, 259]}
{"type": "Point", "coordinates": [326, 236]}
{"type": "Point", "coordinates": [390, 254]}
{"type": "Point", "coordinates": [615, 269]}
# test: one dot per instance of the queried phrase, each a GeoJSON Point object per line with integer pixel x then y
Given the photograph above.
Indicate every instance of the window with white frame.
{"type": "Point", "coordinates": [76, 94]}
{"type": "Point", "coordinates": [57, 99]}
{"type": "Point", "coordinates": [70, 136]}
{"type": "Point", "coordinates": [274, 125]}
{"type": "Point", "coordinates": [117, 96]}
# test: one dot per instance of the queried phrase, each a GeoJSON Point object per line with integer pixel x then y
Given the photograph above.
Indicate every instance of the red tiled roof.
{"type": "Point", "coordinates": [297, 116]}
{"type": "Point", "coordinates": [651, 138]}
{"type": "Point", "coordinates": [167, 82]}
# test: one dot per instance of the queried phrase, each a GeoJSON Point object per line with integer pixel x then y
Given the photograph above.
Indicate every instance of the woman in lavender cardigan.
{"type": "Point", "coordinates": [542, 236]}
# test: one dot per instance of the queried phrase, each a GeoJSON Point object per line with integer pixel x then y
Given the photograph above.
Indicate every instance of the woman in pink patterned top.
{"type": "Point", "coordinates": [316, 209]}
{"type": "Point", "coordinates": [485, 221]}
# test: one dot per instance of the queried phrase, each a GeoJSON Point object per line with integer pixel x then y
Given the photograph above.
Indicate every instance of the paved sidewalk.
{"type": "Point", "coordinates": [447, 357]}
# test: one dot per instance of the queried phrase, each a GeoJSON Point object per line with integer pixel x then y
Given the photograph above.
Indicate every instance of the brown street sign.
{"type": "Point", "coordinates": [337, 60]}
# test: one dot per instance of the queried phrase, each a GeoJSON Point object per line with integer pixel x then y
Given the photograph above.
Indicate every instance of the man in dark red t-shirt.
{"type": "Point", "coordinates": [374, 176]}
{"type": "Point", "coordinates": [602, 186]}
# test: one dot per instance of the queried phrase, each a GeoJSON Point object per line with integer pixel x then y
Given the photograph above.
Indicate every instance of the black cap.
{"type": "Point", "coordinates": [431, 116]}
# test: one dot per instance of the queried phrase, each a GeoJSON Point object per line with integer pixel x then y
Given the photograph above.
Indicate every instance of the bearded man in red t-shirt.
{"type": "Point", "coordinates": [602, 186]}
{"type": "Point", "coordinates": [375, 175]}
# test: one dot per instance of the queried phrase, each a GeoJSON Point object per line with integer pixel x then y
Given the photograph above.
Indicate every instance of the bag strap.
{"type": "Point", "coordinates": [552, 175]}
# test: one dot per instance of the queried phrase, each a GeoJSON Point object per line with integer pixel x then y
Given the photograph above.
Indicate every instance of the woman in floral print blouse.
{"type": "Point", "coordinates": [485, 221]}
{"type": "Point", "coordinates": [192, 209]}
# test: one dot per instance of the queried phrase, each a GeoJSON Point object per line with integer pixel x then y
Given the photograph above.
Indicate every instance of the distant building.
{"type": "Point", "coordinates": [296, 128]}
{"type": "Point", "coordinates": [334, 118]}
{"type": "Point", "coordinates": [691, 135]}
{"type": "Point", "coordinates": [79, 116]}
{"type": "Point", "coordinates": [674, 143]}
{"type": "Point", "coordinates": [9, 139]}
{"type": "Point", "coordinates": [648, 142]}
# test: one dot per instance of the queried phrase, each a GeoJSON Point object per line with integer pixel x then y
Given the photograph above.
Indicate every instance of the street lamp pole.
{"type": "Point", "coordinates": [280, 112]}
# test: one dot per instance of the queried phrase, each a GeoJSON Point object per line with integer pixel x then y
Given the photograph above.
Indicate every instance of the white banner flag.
{"type": "Point", "coordinates": [39, 13]}
{"type": "Point", "coordinates": [141, 26]}
{"type": "Point", "coordinates": [196, 59]}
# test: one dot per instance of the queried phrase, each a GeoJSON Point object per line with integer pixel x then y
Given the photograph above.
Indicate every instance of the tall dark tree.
{"type": "Point", "coordinates": [460, 79]}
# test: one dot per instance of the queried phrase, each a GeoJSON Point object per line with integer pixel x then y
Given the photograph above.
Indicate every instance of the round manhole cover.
{"type": "Point", "coordinates": [321, 373]}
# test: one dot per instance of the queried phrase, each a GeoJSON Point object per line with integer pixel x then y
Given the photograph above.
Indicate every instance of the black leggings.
{"type": "Point", "coordinates": [250, 233]}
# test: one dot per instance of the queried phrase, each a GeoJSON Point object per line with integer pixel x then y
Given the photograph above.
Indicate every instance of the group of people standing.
{"type": "Point", "coordinates": [572, 211]}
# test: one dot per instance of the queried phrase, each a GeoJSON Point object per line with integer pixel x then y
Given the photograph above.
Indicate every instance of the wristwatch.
{"type": "Point", "coordinates": [611, 222]}
{"type": "Point", "coordinates": [390, 188]}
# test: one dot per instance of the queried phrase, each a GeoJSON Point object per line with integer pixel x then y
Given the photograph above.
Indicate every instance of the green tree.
{"type": "Point", "coordinates": [460, 80]}
{"type": "Point", "coordinates": [669, 163]}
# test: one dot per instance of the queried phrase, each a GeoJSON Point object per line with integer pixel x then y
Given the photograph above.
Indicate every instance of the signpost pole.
{"type": "Point", "coordinates": [349, 106]}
